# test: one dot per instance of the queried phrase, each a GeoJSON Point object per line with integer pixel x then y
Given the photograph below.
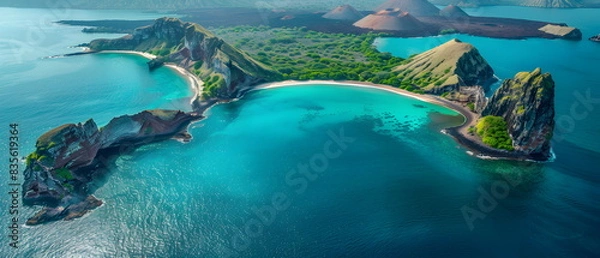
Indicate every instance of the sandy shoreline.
{"type": "Point", "coordinates": [460, 133]}
{"type": "Point", "coordinates": [146, 55]}
{"type": "Point", "coordinates": [195, 83]}
{"type": "Point", "coordinates": [464, 111]}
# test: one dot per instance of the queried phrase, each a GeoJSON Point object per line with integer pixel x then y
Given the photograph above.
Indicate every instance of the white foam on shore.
{"type": "Point", "coordinates": [291, 83]}
{"type": "Point", "coordinates": [146, 55]}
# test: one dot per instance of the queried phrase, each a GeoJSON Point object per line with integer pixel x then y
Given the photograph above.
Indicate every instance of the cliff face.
{"type": "Point", "coordinates": [67, 158]}
{"type": "Point", "coordinates": [447, 68]}
{"type": "Point", "coordinates": [562, 31]}
{"type": "Point", "coordinates": [192, 46]}
{"type": "Point", "coordinates": [526, 103]}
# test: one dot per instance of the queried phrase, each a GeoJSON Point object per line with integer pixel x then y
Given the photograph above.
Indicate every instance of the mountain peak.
{"type": "Point", "coordinates": [447, 67]}
{"type": "Point", "coordinates": [390, 20]}
{"type": "Point", "coordinates": [344, 12]}
{"type": "Point", "coordinates": [453, 11]}
{"type": "Point", "coordinates": [415, 7]}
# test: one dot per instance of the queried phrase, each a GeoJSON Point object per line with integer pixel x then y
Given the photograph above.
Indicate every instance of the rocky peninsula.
{"type": "Point", "coordinates": [69, 159]}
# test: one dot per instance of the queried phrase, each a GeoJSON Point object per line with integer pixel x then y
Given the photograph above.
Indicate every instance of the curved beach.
{"type": "Point", "coordinates": [460, 133]}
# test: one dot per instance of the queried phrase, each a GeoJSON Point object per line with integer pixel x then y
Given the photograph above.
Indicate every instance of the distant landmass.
{"type": "Point", "coordinates": [390, 20]}
{"type": "Point", "coordinates": [163, 5]}
{"type": "Point", "coordinates": [530, 3]}
{"type": "Point", "coordinates": [344, 12]}
{"type": "Point", "coordinates": [414, 7]}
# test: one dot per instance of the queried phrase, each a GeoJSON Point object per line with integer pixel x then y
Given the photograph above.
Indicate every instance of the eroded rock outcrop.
{"type": "Point", "coordinates": [70, 157]}
{"type": "Point", "coordinates": [562, 31]}
{"type": "Point", "coordinates": [526, 102]}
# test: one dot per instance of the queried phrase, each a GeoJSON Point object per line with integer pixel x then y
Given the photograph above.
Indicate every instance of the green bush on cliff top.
{"type": "Point", "coordinates": [493, 131]}
{"type": "Point", "coordinates": [64, 173]}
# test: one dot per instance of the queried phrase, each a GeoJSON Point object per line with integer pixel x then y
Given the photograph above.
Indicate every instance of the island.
{"type": "Point", "coordinates": [595, 38]}
{"type": "Point", "coordinates": [399, 18]}
{"type": "Point", "coordinates": [306, 4]}
{"type": "Point", "coordinates": [516, 123]}
{"type": "Point", "coordinates": [529, 3]}
{"type": "Point", "coordinates": [69, 158]}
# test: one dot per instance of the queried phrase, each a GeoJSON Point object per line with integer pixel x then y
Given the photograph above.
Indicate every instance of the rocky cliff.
{"type": "Point", "coordinates": [225, 70]}
{"type": "Point", "coordinates": [563, 31]}
{"type": "Point", "coordinates": [68, 158]}
{"type": "Point", "coordinates": [447, 68]}
{"type": "Point", "coordinates": [526, 102]}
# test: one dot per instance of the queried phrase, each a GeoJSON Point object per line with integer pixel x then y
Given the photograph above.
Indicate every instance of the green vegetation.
{"type": "Point", "coordinates": [212, 85]}
{"type": "Point", "coordinates": [68, 187]}
{"type": "Point", "coordinates": [471, 106]}
{"type": "Point", "coordinates": [493, 131]}
{"type": "Point", "coordinates": [448, 31]}
{"type": "Point", "coordinates": [160, 52]}
{"type": "Point", "coordinates": [472, 130]}
{"type": "Point", "coordinates": [301, 54]}
{"type": "Point", "coordinates": [35, 156]}
{"type": "Point", "coordinates": [64, 173]}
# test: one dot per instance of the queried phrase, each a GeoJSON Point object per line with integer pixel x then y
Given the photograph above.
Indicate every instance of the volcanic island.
{"type": "Point", "coordinates": [516, 123]}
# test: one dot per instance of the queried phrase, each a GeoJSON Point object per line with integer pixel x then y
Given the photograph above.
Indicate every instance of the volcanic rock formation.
{"type": "Point", "coordinates": [344, 12]}
{"type": "Point", "coordinates": [562, 31]}
{"type": "Point", "coordinates": [415, 7]}
{"type": "Point", "coordinates": [453, 11]}
{"type": "Point", "coordinates": [526, 102]}
{"type": "Point", "coordinates": [71, 157]}
{"type": "Point", "coordinates": [390, 20]}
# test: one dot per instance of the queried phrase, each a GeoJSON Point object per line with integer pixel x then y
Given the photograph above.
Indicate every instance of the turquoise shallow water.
{"type": "Point", "coordinates": [396, 188]}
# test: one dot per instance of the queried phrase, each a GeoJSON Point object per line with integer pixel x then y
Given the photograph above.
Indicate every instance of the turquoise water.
{"type": "Point", "coordinates": [394, 188]}
{"type": "Point", "coordinates": [573, 64]}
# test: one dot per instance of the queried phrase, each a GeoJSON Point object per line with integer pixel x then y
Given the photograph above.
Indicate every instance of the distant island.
{"type": "Point", "coordinates": [310, 5]}
{"type": "Point", "coordinates": [528, 3]}
{"type": "Point", "coordinates": [516, 123]}
{"type": "Point", "coordinates": [595, 38]}
{"type": "Point", "coordinates": [399, 18]}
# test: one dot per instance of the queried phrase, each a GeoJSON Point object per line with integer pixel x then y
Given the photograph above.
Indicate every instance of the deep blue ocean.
{"type": "Point", "coordinates": [313, 171]}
